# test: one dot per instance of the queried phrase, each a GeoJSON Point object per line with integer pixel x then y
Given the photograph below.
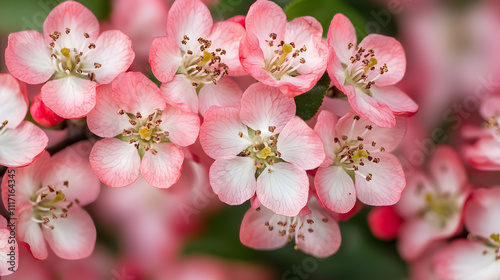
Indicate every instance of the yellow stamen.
{"type": "Point", "coordinates": [360, 154]}
{"type": "Point", "coordinates": [206, 58]}
{"type": "Point", "coordinates": [264, 153]}
{"type": "Point", "coordinates": [372, 63]}
{"type": "Point", "coordinates": [59, 197]}
{"type": "Point", "coordinates": [66, 53]}
{"type": "Point", "coordinates": [287, 49]}
{"type": "Point", "coordinates": [145, 133]}
{"type": "Point", "coordinates": [495, 237]}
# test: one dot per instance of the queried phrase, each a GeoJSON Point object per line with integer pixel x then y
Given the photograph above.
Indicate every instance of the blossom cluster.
{"type": "Point", "coordinates": [219, 108]}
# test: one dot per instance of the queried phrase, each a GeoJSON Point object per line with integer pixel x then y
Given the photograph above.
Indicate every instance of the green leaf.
{"type": "Point", "coordinates": [323, 11]}
{"type": "Point", "coordinates": [308, 103]}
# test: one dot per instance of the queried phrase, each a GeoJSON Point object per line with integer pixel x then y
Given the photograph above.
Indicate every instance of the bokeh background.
{"type": "Point", "coordinates": [452, 48]}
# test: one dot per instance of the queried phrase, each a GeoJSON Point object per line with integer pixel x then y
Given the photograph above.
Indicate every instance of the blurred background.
{"type": "Point", "coordinates": [186, 233]}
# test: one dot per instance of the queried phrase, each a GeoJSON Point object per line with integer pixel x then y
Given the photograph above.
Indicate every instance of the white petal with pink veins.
{"type": "Point", "coordinates": [233, 179]}
{"type": "Point", "coordinates": [20, 146]}
{"type": "Point", "coordinates": [255, 234]}
{"type": "Point", "coordinates": [183, 127]}
{"type": "Point", "coordinates": [335, 189]}
{"type": "Point", "coordinates": [180, 92]}
{"type": "Point", "coordinates": [13, 101]}
{"type": "Point", "coordinates": [226, 93]}
{"type": "Point", "coordinates": [163, 169]}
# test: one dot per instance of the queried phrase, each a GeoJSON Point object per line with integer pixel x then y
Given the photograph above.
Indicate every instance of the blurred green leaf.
{"type": "Point", "coordinates": [323, 11]}
{"type": "Point", "coordinates": [309, 102]}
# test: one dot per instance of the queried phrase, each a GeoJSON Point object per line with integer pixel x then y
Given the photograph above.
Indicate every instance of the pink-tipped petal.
{"type": "Point", "coordinates": [20, 146]}
{"type": "Point", "coordinates": [219, 133]}
{"type": "Point", "coordinates": [482, 212]}
{"type": "Point", "coordinates": [365, 105]}
{"type": "Point", "coordinates": [283, 188]}
{"type": "Point", "coordinates": [165, 58]}
{"type": "Point", "coordinates": [73, 237]}
{"type": "Point", "coordinates": [34, 66]}
{"type": "Point", "coordinates": [226, 93]}
{"type": "Point", "coordinates": [180, 92]}
{"type": "Point", "coordinates": [70, 97]}
{"type": "Point", "coordinates": [387, 183]}
{"type": "Point", "coordinates": [340, 34]}
{"type": "Point", "coordinates": [115, 162]}
{"type": "Point", "coordinates": [9, 252]}
{"type": "Point", "coordinates": [413, 197]}
{"type": "Point", "coordinates": [299, 144]}
{"type": "Point", "coordinates": [104, 119]}
{"type": "Point", "coordinates": [163, 169]}
{"type": "Point", "coordinates": [490, 107]}
{"type": "Point", "coordinates": [265, 17]}
{"type": "Point", "coordinates": [325, 128]}
{"type": "Point", "coordinates": [29, 231]}
{"type": "Point", "coordinates": [114, 53]}
{"type": "Point", "coordinates": [188, 17]}
{"type": "Point", "coordinates": [71, 165]}
{"type": "Point", "coordinates": [400, 103]}
{"type": "Point", "coordinates": [227, 36]}
{"type": "Point", "coordinates": [75, 16]}
{"type": "Point", "coordinates": [448, 171]}
{"type": "Point", "coordinates": [484, 154]}
{"type": "Point", "coordinates": [233, 179]}
{"type": "Point", "coordinates": [255, 234]}
{"type": "Point", "coordinates": [183, 127]}
{"type": "Point", "coordinates": [263, 106]}
{"type": "Point", "coordinates": [335, 189]}
{"type": "Point", "coordinates": [42, 114]}
{"type": "Point", "coordinates": [134, 92]}
{"type": "Point", "coordinates": [13, 101]}
{"type": "Point", "coordinates": [389, 51]}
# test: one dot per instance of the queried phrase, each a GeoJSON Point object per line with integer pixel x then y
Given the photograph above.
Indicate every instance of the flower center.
{"type": "Point", "coordinates": [283, 58]}
{"type": "Point", "coordinates": [49, 204]}
{"type": "Point", "coordinates": [440, 207]}
{"type": "Point", "coordinates": [491, 243]}
{"type": "Point", "coordinates": [493, 127]}
{"type": "Point", "coordinates": [199, 64]}
{"type": "Point", "coordinates": [263, 149]}
{"type": "Point", "coordinates": [145, 132]}
{"type": "Point", "coordinates": [352, 153]}
{"type": "Point", "coordinates": [362, 72]}
{"type": "Point", "coordinates": [71, 61]}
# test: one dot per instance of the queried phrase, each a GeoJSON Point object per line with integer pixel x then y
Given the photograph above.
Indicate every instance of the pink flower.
{"type": "Point", "coordinates": [49, 195]}
{"type": "Point", "coordinates": [485, 153]}
{"type": "Point", "coordinates": [367, 73]}
{"type": "Point", "coordinates": [358, 162]}
{"type": "Point", "coordinates": [261, 148]}
{"type": "Point", "coordinates": [70, 58]}
{"type": "Point", "coordinates": [432, 207]}
{"type": "Point", "coordinates": [194, 57]}
{"type": "Point", "coordinates": [142, 133]}
{"type": "Point", "coordinates": [287, 55]}
{"type": "Point", "coordinates": [314, 229]}
{"type": "Point", "coordinates": [9, 250]}
{"type": "Point", "coordinates": [21, 141]}
{"type": "Point", "coordinates": [478, 257]}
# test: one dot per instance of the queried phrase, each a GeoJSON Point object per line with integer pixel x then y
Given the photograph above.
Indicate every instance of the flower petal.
{"type": "Point", "coordinates": [387, 183]}
{"type": "Point", "coordinates": [183, 127]}
{"type": "Point", "coordinates": [299, 144]}
{"type": "Point", "coordinates": [335, 189]}
{"type": "Point", "coordinates": [387, 51]}
{"type": "Point", "coordinates": [413, 197]}
{"type": "Point", "coordinates": [447, 169]}
{"type": "Point", "coordinates": [29, 231]}
{"type": "Point", "coordinates": [264, 106]}
{"type": "Point", "coordinates": [400, 103]}
{"type": "Point", "coordinates": [73, 237]}
{"type": "Point", "coordinates": [70, 97]}
{"type": "Point", "coordinates": [219, 133]}
{"type": "Point", "coordinates": [255, 234]}
{"type": "Point", "coordinates": [227, 36]}
{"type": "Point", "coordinates": [263, 18]}
{"type": "Point", "coordinates": [134, 92]}
{"type": "Point", "coordinates": [163, 169]}
{"type": "Point", "coordinates": [283, 188]}
{"type": "Point", "coordinates": [325, 128]}
{"type": "Point", "coordinates": [13, 100]}
{"type": "Point", "coordinates": [482, 212]}
{"type": "Point", "coordinates": [165, 58]}
{"type": "Point", "coordinates": [188, 17]}
{"type": "Point", "coordinates": [114, 52]}
{"type": "Point", "coordinates": [226, 93]}
{"type": "Point", "coordinates": [72, 165]}
{"type": "Point", "coordinates": [181, 93]}
{"type": "Point", "coordinates": [115, 162]}
{"type": "Point", "coordinates": [365, 105]}
{"type": "Point", "coordinates": [20, 146]}
{"type": "Point", "coordinates": [484, 154]}
{"type": "Point", "coordinates": [233, 179]}
{"type": "Point", "coordinates": [340, 34]}
{"type": "Point", "coordinates": [34, 66]}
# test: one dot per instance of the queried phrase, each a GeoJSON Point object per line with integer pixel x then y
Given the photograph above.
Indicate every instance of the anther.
{"type": "Point", "coordinates": [86, 35]}
{"type": "Point", "coordinates": [97, 65]}
{"type": "Point", "coordinates": [369, 177]}
{"type": "Point", "coordinates": [92, 46]}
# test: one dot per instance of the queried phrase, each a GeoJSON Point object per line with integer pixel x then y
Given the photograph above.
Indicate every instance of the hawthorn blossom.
{"type": "Point", "coordinates": [50, 194]}
{"type": "Point", "coordinates": [262, 149]}
{"type": "Point", "coordinates": [314, 229]}
{"type": "Point", "coordinates": [479, 256]}
{"type": "Point", "coordinates": [485, 153]}
{"type": "Point", "coordinates": [21, 141]}
{"type": "Point", "coordinates": [142, 133]}
{"type": "Point", "coordinates": [366, 73]}
{"type": "Point", "coordinates": [195, 56]}
{"type": "Point", "coordinates": [70, 57]}
{"type": "Point", "coordinates": [9, 250]}
{"type": "Point", "coordinates": [431, 206]}
{"type": "Point", "coordinates": [358, 162]}
{"type": "Point", "coordinates": [288, 55]}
